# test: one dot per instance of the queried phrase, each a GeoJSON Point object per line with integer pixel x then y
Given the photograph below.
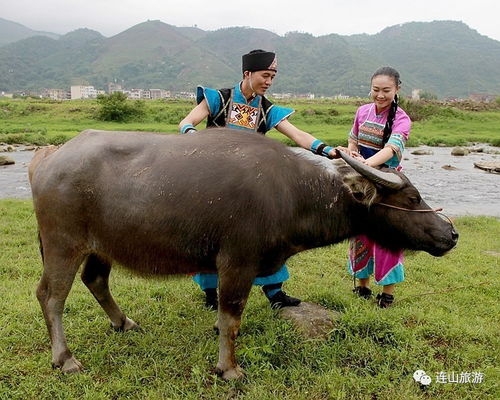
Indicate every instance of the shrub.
{"type": "Point", "coordinates": [116, 107]}
{"type": "Point", "coordinates": [418, 110]}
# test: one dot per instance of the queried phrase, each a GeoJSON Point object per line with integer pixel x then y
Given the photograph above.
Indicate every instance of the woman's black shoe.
{"type": "Point", "coordinates": [385, 300]}
{"type": "Point", "coordinates": [363, 291]}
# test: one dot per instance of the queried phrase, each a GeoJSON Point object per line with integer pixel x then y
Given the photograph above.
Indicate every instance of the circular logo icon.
{"type": "Point", "coordinates": [418, 374]}
{"type": "Point", "coordinates": [425, 380]}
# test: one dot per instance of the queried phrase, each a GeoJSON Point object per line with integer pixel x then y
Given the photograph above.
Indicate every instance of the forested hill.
{"type": "Point", "coordinates": [12, 31]}
{"type": "Point", "coordinates": [445, 58]}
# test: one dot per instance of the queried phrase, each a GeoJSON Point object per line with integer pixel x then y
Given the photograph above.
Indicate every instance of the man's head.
{"type": "Point", "coordinates": [259, 69]}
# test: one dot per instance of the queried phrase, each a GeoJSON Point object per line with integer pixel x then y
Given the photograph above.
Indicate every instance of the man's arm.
{"type": "Point", "coordinates": [197, 114]}
{"type": "Point", "coordinates": [303, 139]}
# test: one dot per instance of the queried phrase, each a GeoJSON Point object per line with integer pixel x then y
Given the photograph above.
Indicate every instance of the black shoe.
{"type": "Point", "coordinates": [363, 291]}
{"type": "Point", "coordinates": [385, 300]}
{"type": "Point", "coordinates": [211, 301]}
{"type": "Point", "coordinates": [281, 299]}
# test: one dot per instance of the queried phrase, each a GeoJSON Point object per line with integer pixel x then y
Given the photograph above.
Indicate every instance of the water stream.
{"type": "Point", "coordinates": [463, 190]}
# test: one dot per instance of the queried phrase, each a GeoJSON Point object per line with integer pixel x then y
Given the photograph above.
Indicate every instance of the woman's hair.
{"type": "Point", "coordinates": [392, 73]}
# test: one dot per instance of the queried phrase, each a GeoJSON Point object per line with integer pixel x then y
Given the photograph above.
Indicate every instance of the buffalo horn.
{"type": "Point", "coordinates": [386, 179]}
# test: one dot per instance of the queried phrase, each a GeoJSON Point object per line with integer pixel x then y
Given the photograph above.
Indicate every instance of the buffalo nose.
{"type": "Point", "coordinates": [454, 235]}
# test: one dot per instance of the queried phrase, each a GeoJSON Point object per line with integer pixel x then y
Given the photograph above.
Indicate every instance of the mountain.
{"type": "Point", "coordinates": [12, 32]}
{"type": "Point", "coordinates": [446, 58]}
{"type": "Point", "coordinates": [40, 61]}
{"type": "Point", "coordinates": [440, 54]}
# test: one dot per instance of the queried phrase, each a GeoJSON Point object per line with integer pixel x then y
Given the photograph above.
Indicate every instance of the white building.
{"type": "Point", "coordinates": [56, 94]}
{"type": "Point", "coordinates": [159, 93]}
{"type": "Point", "coordinates": [83, 92]}
{"type": "Point", "coordinates": [135, 94]}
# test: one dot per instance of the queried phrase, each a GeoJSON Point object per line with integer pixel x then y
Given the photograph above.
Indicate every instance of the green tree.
{"type": "Point", "coordinates": [116, 107]}
{"type": "Point", "coordinates": [425, 95]}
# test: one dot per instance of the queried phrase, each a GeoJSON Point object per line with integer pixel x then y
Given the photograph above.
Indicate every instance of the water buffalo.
{"type": "Point", "coordinates": [218, 200]}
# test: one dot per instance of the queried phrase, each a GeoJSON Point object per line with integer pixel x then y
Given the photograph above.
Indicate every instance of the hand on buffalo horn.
{"type": "Point", "coordinates": [352, 153]}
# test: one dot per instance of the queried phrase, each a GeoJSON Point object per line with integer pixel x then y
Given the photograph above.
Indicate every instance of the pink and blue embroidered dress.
{"type": "Point", "coordinates": [366, 257]}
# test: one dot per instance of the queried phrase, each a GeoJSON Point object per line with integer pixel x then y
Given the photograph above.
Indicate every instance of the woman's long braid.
{"type": "Point", "coordinates": [390, 120]}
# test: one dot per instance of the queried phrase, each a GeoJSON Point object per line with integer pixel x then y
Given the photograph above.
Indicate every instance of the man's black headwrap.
{"type": "Point", "coordinates": [259, 60]}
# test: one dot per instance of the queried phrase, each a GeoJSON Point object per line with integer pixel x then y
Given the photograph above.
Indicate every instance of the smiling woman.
{"type": "Point", "coordinates": [378, 138]}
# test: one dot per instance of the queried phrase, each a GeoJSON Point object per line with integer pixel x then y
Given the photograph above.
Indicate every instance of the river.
{"type": "Point", "coordinates": [464, 190]}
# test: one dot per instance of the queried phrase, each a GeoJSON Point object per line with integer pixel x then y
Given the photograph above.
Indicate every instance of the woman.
{"type": "Point", "coordinates": [378, 138]}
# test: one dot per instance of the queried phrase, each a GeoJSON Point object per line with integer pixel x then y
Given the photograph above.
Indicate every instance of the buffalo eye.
{"type": "Point", "coordinates": [415, 199]}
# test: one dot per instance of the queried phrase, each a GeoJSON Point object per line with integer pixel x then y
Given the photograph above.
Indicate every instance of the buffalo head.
{"type": "Point", "coordinates": [394, 214]}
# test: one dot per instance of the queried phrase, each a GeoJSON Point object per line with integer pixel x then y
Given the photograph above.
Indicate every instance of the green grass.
{"type": "Point", "coordinates": [445, 318]}
{"type": "Point", "coordinates": [49, 122]}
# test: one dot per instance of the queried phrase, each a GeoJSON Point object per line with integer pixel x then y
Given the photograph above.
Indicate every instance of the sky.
{"type": "Point", "coordinates": [318, 17]}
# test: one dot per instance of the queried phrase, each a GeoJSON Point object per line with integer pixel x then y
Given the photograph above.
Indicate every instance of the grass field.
{"type": "Point", "coordinates": [445, 319]}
{"type": "Point", "coordinates": [50, 122]}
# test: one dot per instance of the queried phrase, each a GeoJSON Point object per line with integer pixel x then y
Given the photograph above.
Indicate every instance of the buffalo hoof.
{"type": "Point", "coordinates": [71, 366]}
{"type": "Point", "coordinates": [127, 325]}
{"type": "Point", "coordinates": [231, 374]}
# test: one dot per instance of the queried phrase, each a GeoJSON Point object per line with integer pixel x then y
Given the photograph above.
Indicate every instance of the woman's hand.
{"type": "Point", "coordinates": [349, 152]}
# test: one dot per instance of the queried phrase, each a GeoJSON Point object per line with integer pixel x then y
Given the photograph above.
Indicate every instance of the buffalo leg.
{"type": "Point", "coordinates": [95, 275]}
{"type": "Point", "coordinates": [57, 278]}
{"type": "Point", "coordinates": [233, 294]}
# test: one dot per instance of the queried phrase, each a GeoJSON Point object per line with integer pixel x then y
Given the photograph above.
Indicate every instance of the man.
{"type": "Point", "coordinates": [245, 107]}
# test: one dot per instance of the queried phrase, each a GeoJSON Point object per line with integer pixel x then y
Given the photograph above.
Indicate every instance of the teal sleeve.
{"type": "Point", "coordinates": [212, 97]}
{"type": "Point", "coordinates": [276, 114]}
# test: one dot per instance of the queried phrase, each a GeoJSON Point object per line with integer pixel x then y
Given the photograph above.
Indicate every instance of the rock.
{"type": "Point", "coordinates": [29, 148]}
{"type": "Point", "coordinates": [4, 160]}
{"type": "Point", "coordinates": [311, 320]}
{"type": "Point", "coordinates": [459, 151]}
{"type": "Point", "coordinates": [6, 148]}
{"type": "Point", "coordinates": [491, 151]}
{"type": "Point", "coordinates": [422, 152]}
{"type": "Point", "coordinates": [449, 167]}
{"type": "Point", "coordinates": [490, 166]}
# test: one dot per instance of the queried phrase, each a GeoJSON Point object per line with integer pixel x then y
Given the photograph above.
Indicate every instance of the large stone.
{"type": "Point", "coordinates": [459, 151]}
{"type": "Point", "coordinates": [4, 160]}
{"type": "Point", "coordinates": [422, 152]}
{"type": "Point", "coordinates": [490, 166]}
{"type": "Point", "coordinates": [311, 320]}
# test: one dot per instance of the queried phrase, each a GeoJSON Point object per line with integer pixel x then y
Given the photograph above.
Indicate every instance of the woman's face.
{"type": "Point", "coordinates": [383, 90]}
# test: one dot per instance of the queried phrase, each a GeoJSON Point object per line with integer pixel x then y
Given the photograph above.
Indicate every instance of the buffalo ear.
{"type": "Point", "coordinates": [362, 189]}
